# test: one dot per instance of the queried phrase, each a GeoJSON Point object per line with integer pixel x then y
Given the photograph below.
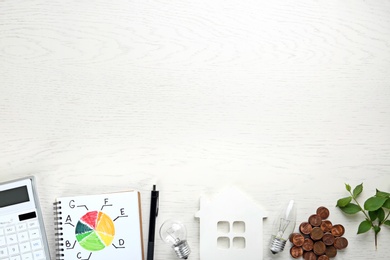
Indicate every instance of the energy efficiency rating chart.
{"type": "Point", "coordinates": [95, 231]}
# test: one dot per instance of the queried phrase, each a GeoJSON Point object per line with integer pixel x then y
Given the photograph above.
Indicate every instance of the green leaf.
{"type": "Point", "coordinates": [386, 204]}
{"type": "Point", "coordinates": [373, 215]}
{"type": "Point", "coordinates": [374, 203]}
{"type": "Point", "coordinates": [382, 194]}
{"type": "Point", "coordinates": [344, 202]}
{"type": "Point", "coordinates": [364, 227]}
{"type": "Point", "coordinates": [381, 214]}
{"type": "Point", "coordinates": [358, 189]}
{"type": "Point", "coordinates": [351, 208]}
{"type": "Point", "coordinates": [387, 222]}
{"type": "Point", "coordinates": [347, 187]}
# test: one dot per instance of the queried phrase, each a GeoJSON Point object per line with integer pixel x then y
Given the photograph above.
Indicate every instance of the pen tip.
{"type": "Point", "coordinates": [154, 187]}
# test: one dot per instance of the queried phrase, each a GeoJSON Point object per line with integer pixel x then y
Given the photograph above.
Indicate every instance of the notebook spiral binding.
{"type": "Point", "coordinates": [58, 230]}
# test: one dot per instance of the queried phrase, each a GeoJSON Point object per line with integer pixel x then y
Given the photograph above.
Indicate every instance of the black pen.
{"type": "Point", "coordinates": [152, 222]}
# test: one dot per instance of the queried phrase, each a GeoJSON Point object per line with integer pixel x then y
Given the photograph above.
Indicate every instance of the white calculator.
{"type": "Point", "coordinates": [22, 233]}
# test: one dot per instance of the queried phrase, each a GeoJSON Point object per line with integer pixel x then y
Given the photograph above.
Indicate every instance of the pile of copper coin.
{"type": "Point", "coordinates": [318, 239]}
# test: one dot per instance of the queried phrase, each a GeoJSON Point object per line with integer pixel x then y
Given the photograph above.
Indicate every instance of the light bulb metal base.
{"type": "Point", "coordinates": [277, 244]}
{"type": "Point", "coordinates": [182, 249]}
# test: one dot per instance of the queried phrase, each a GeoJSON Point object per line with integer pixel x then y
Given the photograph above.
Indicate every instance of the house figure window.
{"type": "Point", "coordinates": [231, 235]}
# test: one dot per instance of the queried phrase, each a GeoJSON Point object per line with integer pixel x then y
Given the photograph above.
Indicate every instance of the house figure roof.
{"type": "Point", "coordinates": [230, 201]}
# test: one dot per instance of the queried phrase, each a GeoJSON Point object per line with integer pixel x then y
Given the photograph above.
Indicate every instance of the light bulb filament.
{"type": "Point", "coordinates": [283, 224]}
{"type": "Point", "coordinates": [171, 232]}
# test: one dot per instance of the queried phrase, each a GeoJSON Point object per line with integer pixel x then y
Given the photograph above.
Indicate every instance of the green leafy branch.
{"type": "Point", "coordinates": [376, 209]}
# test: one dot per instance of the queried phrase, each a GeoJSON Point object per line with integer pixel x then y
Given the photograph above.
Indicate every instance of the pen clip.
{"type": "Point", "coordinates": [157, 206]}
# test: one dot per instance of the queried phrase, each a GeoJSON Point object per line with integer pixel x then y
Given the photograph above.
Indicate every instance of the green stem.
{"type": "Point", "coordinates": [368, 219]}
{"type": "Point", "coordinates": [361, 209]}
{"type": "Point", "coordinates": [377, 232]}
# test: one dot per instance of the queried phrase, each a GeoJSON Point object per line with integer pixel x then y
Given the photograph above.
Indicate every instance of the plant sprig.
{"type": "Point", "coordinates": [376, 209]}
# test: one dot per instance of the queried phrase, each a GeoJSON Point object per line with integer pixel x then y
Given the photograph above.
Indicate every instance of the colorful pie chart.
{"type": "Point", "coordinates": [95, 231]}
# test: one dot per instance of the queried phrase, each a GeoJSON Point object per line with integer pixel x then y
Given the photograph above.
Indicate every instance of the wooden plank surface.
{"type": "Point", "coordinates": [283, 99]}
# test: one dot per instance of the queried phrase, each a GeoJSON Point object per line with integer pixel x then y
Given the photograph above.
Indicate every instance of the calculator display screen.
{"type": "Point", "coordinates": [14, 196]}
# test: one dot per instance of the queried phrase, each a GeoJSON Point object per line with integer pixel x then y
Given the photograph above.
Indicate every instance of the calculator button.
{"type": "Point", "coordinates": [25, 247]}
{"type": "Point", "coordinates": [17, 257]}
{"type": "Point", "coordinates": [10, 230]}
{"type": "Point", "coordinates": [34, 234]}
{"type": "Point", "coordinates": [21, 227]}
{"type": "Point", "coordinates": [27, 256]}
{"type": "Point", "coordinates": [39, 255]}
{"type": "Point", "coordinates": [3, 252]}
{"type": "Point", "coordinates": [37, 244]}
{"type": "Point", "coordinates": [2, 241]}
{"type": "Point", "coordinates": [23, 236]}
{"type": "Point", "coordinates": [1, 231]}
{"type": "Point", "coordinates": [33, 224]}
{"type": "Point", "coordinates": [13, 250]}
{"type": "Point", "coordinates": [12, 239]}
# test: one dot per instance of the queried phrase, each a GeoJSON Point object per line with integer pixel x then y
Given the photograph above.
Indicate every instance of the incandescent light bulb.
{"type": "Point", "coordinates": [174, 233]}
{"type": "Point", "coordinates": [283, 226]}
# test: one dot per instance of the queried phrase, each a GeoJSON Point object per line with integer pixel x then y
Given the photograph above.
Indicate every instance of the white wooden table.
{"type": "Point", "coordinates": [283, 99]}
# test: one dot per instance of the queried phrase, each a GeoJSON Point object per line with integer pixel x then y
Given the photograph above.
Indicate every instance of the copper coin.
{"type": "Point", "coordinates": [323, 212]}
{"type": "Point", "coordinates": [330, 251]}
{"type": "Point", "coordinates": [338, 230]}
{"type": "Point", "coordinates": [326, 226]}
{"type": "Point", "coordinates": [291, 236]}
{"type": "Point", "coordinates": [296, 251]}
{"type": "Point", "coordinates": [340, 243]}
{"type": "Point", "coordinates": [316, 233]}
{"type": "Point", "coordinates": [319, 248]}
{"type": "Point", "coordinates": [315, 220]}
{"type": "Point", "coordinates": [305, 228]}
{"type": "Point", "coordinates": [307, 244]}
{"type": "Point", "coordinates": [298, 239]}
{"type": "Point", "coordinates": [323, 257]}
{"type": "Point", "coordinates": [309, 256]}
{"type": "Point", "coordinates": [328, 239]}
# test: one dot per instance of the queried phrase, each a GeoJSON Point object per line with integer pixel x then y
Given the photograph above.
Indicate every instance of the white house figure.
{"type": "Point", "coordinates": [231, 227]}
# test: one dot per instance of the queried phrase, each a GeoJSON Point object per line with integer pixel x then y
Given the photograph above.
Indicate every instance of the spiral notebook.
{"type": "Point", "coordinates": [99, 227]}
